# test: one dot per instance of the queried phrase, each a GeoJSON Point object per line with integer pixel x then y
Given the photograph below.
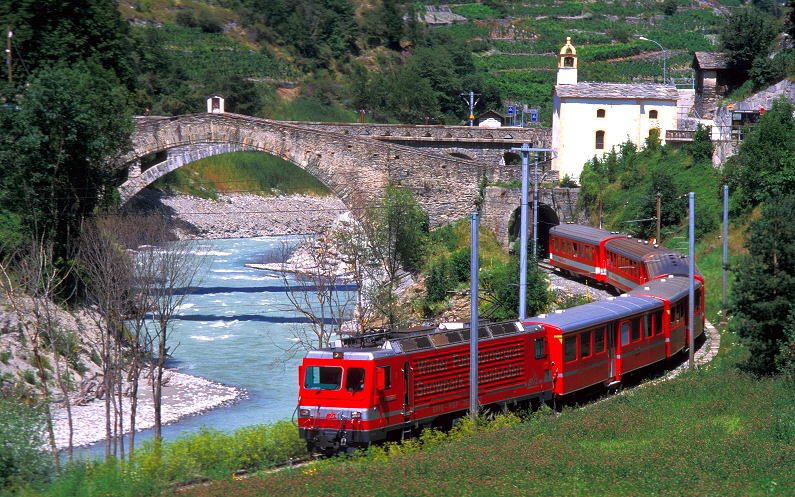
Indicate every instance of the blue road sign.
{"type": "Point", "coordinates": [510, 110]}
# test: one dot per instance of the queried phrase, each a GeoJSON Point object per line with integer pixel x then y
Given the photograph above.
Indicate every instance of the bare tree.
{"type": "Point", "coordinates": [107, 275]}
{"type": "Point", "coordinates": [166, 272]}
{"type": "Point", "coordinates": [30, 284]}
{"type": "Point", "coordinates": [317, 291]}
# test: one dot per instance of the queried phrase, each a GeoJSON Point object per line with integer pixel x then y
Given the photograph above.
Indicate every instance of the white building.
{"type": "Point", "coordinates": [589, 119]}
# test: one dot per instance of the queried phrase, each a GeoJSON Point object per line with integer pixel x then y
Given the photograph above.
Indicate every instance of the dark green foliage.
{"type": "Point", "coordinates": [460, 264]}
{"type": "Point", "coordinates": [57, 149]}
{"type": "Point", "coordinates": [765, 162]}
{"type": "Point", "coordinates": [439, 281]}
{"type": "Point", "coordinates": [763, 295]}
{"type": "Point", "coordinates": [746, 36]}
{"type": "Point", "coordinates": [702, 147]}
{"type": "Point", "coordinates": [405, 225]}
{"type": "Point", "coordinates": [68, 32]}
{"type": "Point", "coordinates": [501, 287]}
{"type": "Point", "coordinates": [21, 440]}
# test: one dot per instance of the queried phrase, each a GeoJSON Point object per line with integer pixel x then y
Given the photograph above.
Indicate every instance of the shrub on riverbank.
{"type": "Point", "coordinates": [208, 453]}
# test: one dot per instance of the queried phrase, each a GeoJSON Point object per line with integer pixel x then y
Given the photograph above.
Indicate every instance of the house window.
{"type": "Point", "coordinates": [652, 114]}
{"type": "Point", "coordinates": [600, 140]}
{"type": "Point", "coordinates": [600, 113]}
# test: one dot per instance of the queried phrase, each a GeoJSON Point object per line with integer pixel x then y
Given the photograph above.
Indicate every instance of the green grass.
{"type": "Point", "coordinates": [710, 432]}
{"type": "Point", "coordinates": [241, 172]}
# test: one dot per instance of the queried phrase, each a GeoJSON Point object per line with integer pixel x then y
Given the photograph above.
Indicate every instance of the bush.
{"type": "Point", "coordinates": [21, 457]}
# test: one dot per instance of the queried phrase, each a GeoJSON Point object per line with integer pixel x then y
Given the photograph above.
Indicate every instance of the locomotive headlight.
{"type": "Point", "coordinates": [303, 413]}
{"type": "Point", "coordinates": [356, 415]}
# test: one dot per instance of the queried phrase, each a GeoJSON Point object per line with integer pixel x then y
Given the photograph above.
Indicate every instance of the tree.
{"type": "Point", "coordinates": [166, 272]}
{"type": "Point", "coordinates": [70, 32]}
{"type": "Point", "coordinates": [21, 458]}
{"type": "Point", "coordinates": [747, 35]}
{"type": "Point", "coordinates": [762, 299]}
{"type": "Point", "coordinates": [57, 150]}
{"type": "Point", "coordinates": [764, 160]}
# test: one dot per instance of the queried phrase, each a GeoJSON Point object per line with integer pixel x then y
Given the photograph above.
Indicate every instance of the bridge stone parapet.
{"type": "Point", "coordinates": [481, 144]}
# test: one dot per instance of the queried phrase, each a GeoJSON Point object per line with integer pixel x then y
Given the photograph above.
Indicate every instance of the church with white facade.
{"type": "Point", "coordinates": [589, 119]}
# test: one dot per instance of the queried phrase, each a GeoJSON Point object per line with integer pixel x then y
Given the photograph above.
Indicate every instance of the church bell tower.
{"type": "Point", "coordinates": [567, 64]}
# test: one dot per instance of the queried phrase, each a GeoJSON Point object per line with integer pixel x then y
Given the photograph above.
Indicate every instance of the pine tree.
{"type": "Point", "coordinates": [763, 295]}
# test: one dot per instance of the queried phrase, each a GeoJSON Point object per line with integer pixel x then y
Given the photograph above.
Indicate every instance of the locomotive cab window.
{"type": "Point", "coordinates": [540, 351]}
{"type": "Point", "coordinates": [323, 378]}
{"type": "Point", "coordinates": [387, 376]}
{"type": "Point", "coordinates": [354, 380]}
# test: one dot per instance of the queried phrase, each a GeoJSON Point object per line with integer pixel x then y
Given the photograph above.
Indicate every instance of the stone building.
{"type": "Point", "coordinates": [714, 80]}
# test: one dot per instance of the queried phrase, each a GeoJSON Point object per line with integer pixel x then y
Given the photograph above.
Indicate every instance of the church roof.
{"type": "Point", "coordinates": [710, 60]}
{"type": "Point", "coordinates": [618, 91]}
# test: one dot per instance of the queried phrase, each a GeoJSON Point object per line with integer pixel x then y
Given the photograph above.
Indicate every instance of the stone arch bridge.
{"type": "Point", "coordinates": [443, 165]}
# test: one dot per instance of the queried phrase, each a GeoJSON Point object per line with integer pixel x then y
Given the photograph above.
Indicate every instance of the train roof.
{"type": "Point", "coordinates": [581, 233]}
{"type": "Point", "coordinates": [596, 313]}
{"type": "Point", "coordinates": [668, 288]}
{"type": "Point", "coordinates": [659, 260]}
{"type": "Point", "coordinates": [390, 342]}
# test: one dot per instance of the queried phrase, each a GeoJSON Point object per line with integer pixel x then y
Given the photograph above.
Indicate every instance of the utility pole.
{"type": "Point", "coordinates": [723, 315]}
{"type": "Point", "coordinates": [526, 149]}
{"type": "Point", "coordinates": [472, 101]}
{"type": "Point", "coordinates": [8, 56]}
{"type": "Point", "coordinates": [659, 196]}
{"type": "Point", "coordinates": [691, 289]}
{"type": "Point", "coordinates": [473, 316]}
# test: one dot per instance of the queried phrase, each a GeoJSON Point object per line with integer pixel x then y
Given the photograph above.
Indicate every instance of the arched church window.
{"type": "Point", "coordinates": [652, 114]}
{"type": "Point", "coordinates": [600, 140]}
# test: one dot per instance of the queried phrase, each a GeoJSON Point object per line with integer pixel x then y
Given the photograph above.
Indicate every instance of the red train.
{"type": "Point", "coordinates": [388, 386]}
{"type": "Point", "coordinates": [612, 258]}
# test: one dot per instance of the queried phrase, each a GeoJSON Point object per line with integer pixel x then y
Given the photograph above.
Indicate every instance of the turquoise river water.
{"type": "Point", "coordinates": [234, 329]}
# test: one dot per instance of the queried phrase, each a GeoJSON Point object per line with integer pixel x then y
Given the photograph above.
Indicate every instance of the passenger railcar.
{"type": "Point", "coordinates": [580, 249]}
{"type": "Point", "coordinates": [630, 262]}
{"type": "Point", "coordinates": [387, 386]}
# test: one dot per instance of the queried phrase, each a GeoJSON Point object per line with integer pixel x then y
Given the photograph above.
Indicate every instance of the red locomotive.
{"type": "Point", "coordinates": [390, 385]}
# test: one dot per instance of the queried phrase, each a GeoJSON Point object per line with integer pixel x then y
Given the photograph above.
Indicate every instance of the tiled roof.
{"type": "Point", "coordinates": [618, 91]}
{"type": "Point", "coordinates": [710, 60]}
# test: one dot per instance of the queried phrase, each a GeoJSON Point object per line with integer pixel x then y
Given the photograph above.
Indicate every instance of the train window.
{"type": "Point", "coordinates": [539, 348]}
{"type": "Point", "coordinates": [624, 332]}
{"type": "Point", "coordinates": [697, 303]}
{"type": "Point", "coordinates": [585, 344]}
{"type": "Point", "coordinates": [569, 349]}
{"type": "Point", "coordinates": [599, 340]}
{"type": "Point", "coordinates": [658, 327]}
{"type": "Point", "coordinates": [636, 329]}
{"type": "Point", "coordinates": [387, 376]}
{"type": "Point", "coordinates": [574, 248]}
{"type": "Point", "coordinates": [323, 377]}
{"type": "Point", "coordinates": [647, 325]}
{"type": "Point", "coordinates": [354, 380]}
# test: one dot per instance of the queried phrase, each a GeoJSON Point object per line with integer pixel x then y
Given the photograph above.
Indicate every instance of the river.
{"type": "Point", "coordinates": [234, 329]}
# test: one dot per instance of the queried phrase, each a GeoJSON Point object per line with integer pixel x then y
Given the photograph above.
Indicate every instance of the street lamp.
{"type": "Point", "coordinates": [663, 51]}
